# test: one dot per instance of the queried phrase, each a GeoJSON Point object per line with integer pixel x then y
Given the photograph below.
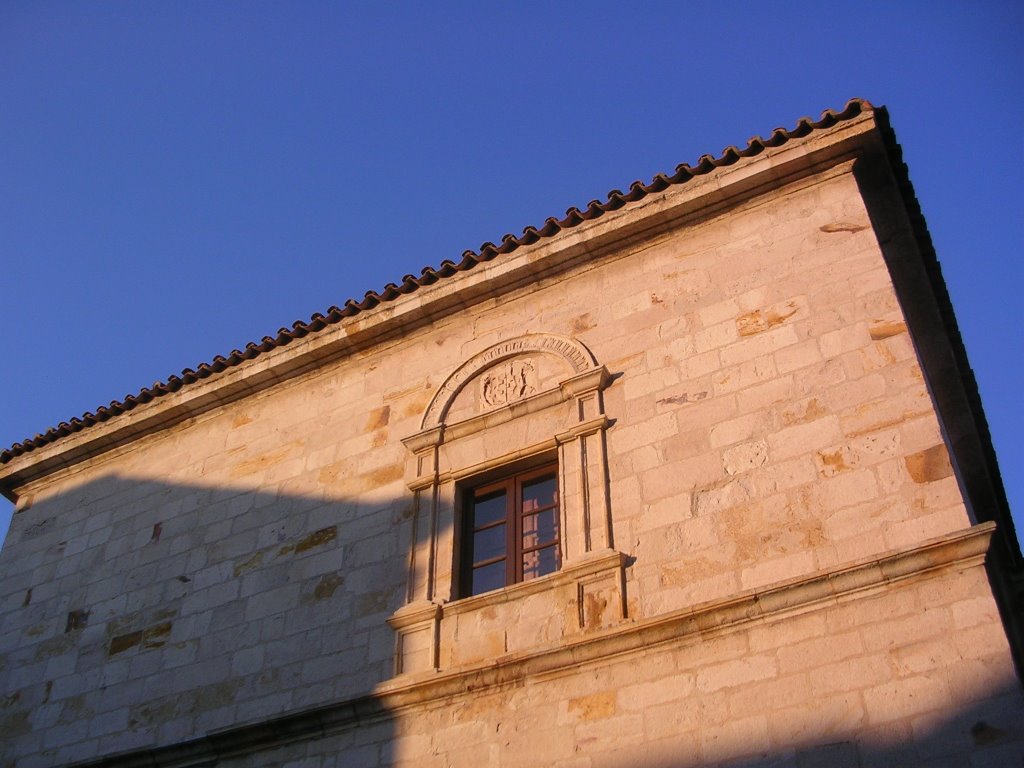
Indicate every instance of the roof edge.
{"type": "Point", "coordinates": [320, 322]}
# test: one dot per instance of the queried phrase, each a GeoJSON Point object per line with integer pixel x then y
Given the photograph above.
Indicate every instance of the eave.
{"type": "Point", "coordinates": [616, 224]}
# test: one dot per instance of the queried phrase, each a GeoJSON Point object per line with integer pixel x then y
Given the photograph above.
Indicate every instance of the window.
{"type": "Point", "coordinates": [511, 506]}
{"type": "Point", "coordinates": [511, 531]}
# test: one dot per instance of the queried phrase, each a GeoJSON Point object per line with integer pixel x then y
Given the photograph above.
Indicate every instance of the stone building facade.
{"type": "Point", "coordinates": [695, 476]}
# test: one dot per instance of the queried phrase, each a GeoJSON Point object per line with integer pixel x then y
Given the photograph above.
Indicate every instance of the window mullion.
{"type": "Point", "coordinates": [514, 567]}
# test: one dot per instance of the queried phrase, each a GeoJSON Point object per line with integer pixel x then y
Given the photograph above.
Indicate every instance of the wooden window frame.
{"type": "Point", "coordinates": [513, 552]}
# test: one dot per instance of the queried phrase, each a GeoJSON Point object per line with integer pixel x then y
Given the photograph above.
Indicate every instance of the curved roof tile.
{"type": "Point", "coordinates": [615, 199]}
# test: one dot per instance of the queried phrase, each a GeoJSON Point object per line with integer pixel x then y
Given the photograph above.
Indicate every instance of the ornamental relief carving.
{"type": "Point", "coordinates": [507, 382]}
{"type": "Point", "coordinates": [503, 381]}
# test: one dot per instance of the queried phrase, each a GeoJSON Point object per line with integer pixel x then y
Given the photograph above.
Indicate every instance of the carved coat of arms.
{"type": "Point", "coordinates": [507, 382]}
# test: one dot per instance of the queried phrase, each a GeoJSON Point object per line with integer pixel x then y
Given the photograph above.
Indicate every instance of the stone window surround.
{"type": "Point", "coordinates": [566, 422]}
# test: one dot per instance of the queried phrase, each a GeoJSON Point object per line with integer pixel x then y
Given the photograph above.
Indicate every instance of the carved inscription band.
{"type": "Point", "coordinates": [573, 352]}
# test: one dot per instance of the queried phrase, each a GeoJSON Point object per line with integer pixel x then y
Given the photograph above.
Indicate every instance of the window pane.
{"type": "Point", "coordinates": [541, 528]}
{"type": "Point", "coordinates": [489, 509]}
{"type": "Point", "coordinates": [489, 543]}
{"type": "Point", "coordinates": [539, 493]}
{"type": "Point", "coordinates": [540, 562]}
{"type": "Point", "coordinates": [488, 577]}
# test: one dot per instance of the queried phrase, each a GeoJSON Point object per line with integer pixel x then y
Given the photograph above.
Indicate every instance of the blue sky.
{"type": "Point", "coordinates": [178, 179]}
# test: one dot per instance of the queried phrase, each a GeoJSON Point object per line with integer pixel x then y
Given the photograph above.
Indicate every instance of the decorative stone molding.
{"type": "Point", "coordinates": [823, 590]}
{"type": "Point", "coordinates": [416, 632]}
{"type": "Point", "coordinates": [584, 597]}
{"type": "Point", "coordinates": [571, 351]}
{"type": "Point", "coordinates": [519, 424]}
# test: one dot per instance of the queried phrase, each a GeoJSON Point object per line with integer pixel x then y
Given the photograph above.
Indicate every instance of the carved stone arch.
{"type": "Point", "coordinates": [573, 352]}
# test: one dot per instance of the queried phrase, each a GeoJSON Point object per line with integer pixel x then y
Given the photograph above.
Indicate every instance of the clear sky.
{"type": "Point", "coordinates": [178, 179]}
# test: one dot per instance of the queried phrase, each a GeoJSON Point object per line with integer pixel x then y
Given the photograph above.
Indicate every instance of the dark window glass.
{"type": "Point", "coordinates": [489, 508]}
{"type": "Point", "coordinates": [511, 531]}
{"type": "Point", "coordinates": [488, 577]}
{"type": "Point", "coordinates": [489, 543]}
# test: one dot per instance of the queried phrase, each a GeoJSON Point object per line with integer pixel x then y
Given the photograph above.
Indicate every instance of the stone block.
{"type": "Point", "coordinates": [929, 465]}
{"type": "Point", "coordinates": [905, 698]}
{"type": "Point", "coordinates": [974, 611]}
{"type": "Point", "coordinates": [715, 336]}
{"type": "Point", "coordinates": [736, 738]}
{"type": "Point", "coordinates": [765, 695]}
{"type": "Point", "coordinates": [824, 720]}
{"type": "Point", "coordinates": [850, 675]}
{"type": "Point", "coordinates": [680, 477]}
{"type": "Point", "coordinates": [744, 457]}
{"type": "Point", "coordinates": [751, 346]}
{"type": "Point", "coordinates": [847, 489]}
{"type": "Point", "coordinates": [930, 623]}
{"type": "Point", "coordinates": [659, 428]}
{"type": "Point", "coordinates": [699, 365]}
{"type": "Point", "coordinates": [736, 377]}
{"type": "Point", "coordinates": [738, 672]}
{"type": "Point", "coordinates": [735, 430]}
{"type": "Point", "coordinates": [819, 652]}
{"type": "Point", "coordinates": [777, 570]}
{"type": "Point", "coordinates": [719, 312]}
{"type": "Point", "coordinates": [803, 438]}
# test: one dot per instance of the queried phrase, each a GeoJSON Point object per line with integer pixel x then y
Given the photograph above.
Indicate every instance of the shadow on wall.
{"type": "Point", "coordinates": [185, 625]}
{"type": "Point", "coordinates": [985, 734]}
{"type": "Point", "coordinates": [137, 613]}
{"type": "Point", "coordinates": [6, 512]}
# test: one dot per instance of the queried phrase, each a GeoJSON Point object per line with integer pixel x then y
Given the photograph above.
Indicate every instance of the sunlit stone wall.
{"type": "Point", "coordinates": [769, 425]}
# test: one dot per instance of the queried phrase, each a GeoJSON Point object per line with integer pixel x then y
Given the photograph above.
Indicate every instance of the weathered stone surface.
{"type": "Point", "coordinates": [929, 465]}
{"type": "Point", "coordinates": [755, 418]}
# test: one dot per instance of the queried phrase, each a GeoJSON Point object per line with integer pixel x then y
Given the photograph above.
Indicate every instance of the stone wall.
{"type": "Point", "coordinates": [768, 422]}
{"type": "Point", "coordinates": [877, 681]}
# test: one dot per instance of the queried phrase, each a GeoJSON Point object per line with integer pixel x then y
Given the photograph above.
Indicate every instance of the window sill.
{"type": "Point", "coordinates": [592, 564]}
{"type": "Point", "coordinates": [587, 596]}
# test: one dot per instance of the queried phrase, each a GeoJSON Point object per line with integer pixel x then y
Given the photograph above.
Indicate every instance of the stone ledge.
{"type": "Point", "coordinates": [414, 613]}
{"type": "Point", "coordinates": [570, 573]}
{"type": "Point", "coordinates": [961, 549]}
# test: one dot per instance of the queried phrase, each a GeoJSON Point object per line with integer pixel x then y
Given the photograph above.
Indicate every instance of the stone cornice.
{"type": "Point", "coordinates": [961, 549]}
{"type": "Point", "coordinates": [617, 230]}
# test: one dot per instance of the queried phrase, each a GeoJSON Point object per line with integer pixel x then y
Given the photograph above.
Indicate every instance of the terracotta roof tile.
{"type": "Point", "coordinates": [573, 217]}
